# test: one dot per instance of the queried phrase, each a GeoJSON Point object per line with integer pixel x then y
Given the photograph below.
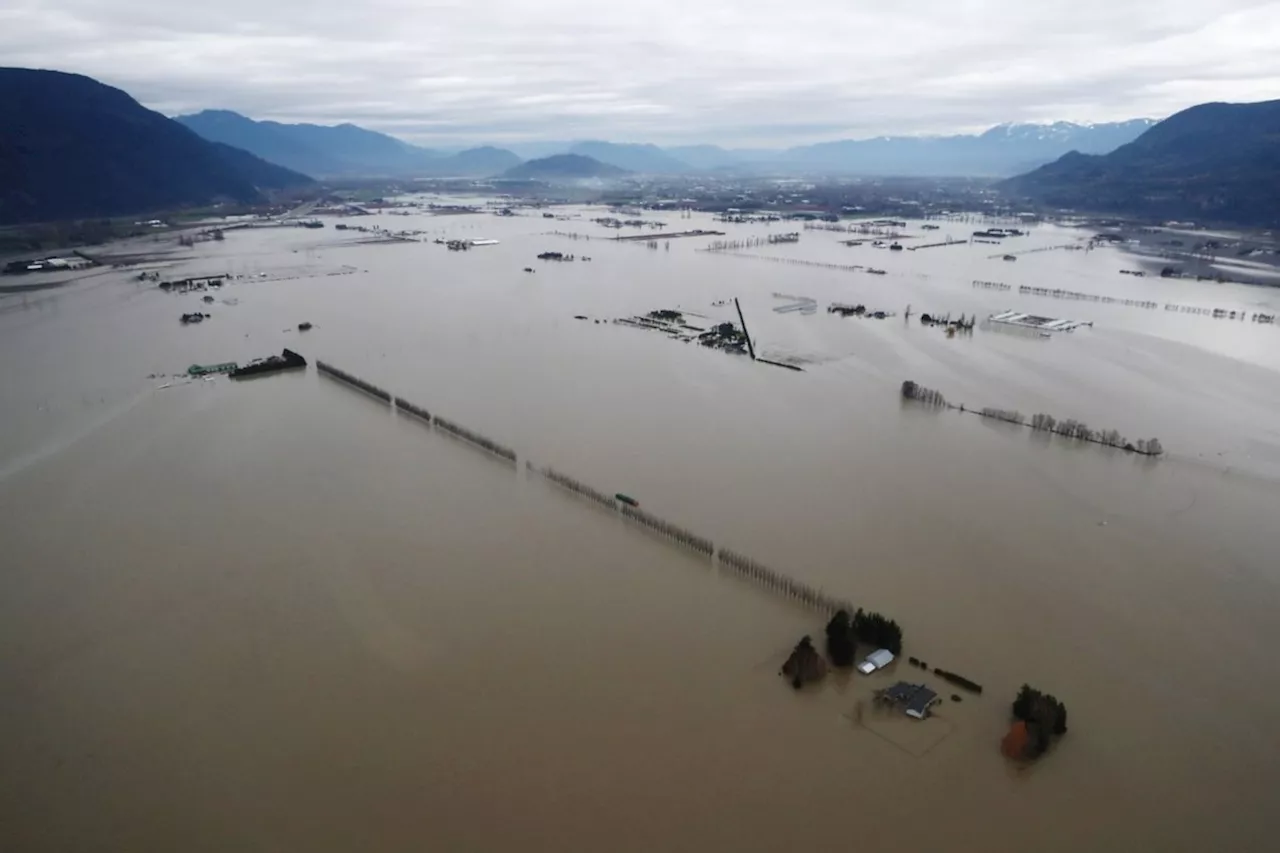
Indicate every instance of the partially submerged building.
{"type": "Point", "coordinates": [915, 699]}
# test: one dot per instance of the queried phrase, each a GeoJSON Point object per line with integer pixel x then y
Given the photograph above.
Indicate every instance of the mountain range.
{"type": "Point", "coordinates": [343, 150]}
{"type": "Point", "coordinates": [349, 151]}
{"type": "Point", "coordinates": [71, 147]}
{"type": "Point", "coordinates": [1004, 150]}
{"type": "Point", "coordinates": [1214, 162]}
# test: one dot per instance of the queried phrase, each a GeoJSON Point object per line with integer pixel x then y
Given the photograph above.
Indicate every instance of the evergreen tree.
{"type": "Point", "coordinates": [840, 645]}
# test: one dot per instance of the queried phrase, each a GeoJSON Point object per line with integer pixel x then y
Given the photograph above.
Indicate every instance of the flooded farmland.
{"type": "Point", "coordinates": [278, 614]}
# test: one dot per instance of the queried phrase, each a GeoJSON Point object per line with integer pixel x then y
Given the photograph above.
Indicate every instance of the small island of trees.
{"type": "Point", "coordinates": [1038, 718]}
{"type": "Point", "coordinates": [804, 665]}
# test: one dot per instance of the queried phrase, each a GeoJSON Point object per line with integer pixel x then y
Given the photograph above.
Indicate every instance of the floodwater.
{"type": "Point", "coordinates": [273, 615]}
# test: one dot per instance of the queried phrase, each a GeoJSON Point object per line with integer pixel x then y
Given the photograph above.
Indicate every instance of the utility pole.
{"type": "Point", "coordinates": [750, 349]}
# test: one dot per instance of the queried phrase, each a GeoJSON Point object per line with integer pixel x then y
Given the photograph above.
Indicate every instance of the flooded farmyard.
{"type": "Point", "coordinates": [279, 613]}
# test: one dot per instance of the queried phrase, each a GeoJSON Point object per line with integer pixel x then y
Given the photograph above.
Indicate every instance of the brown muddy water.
{"type": "Point", "coordinates": [274, 616]}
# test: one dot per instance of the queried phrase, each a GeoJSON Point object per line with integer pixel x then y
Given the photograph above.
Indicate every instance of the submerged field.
{"type": "Point", "coordinates": [277, 614]}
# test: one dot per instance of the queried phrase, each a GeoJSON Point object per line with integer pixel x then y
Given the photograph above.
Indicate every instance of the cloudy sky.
{"type": "Point", "coordinates": [732, 72]}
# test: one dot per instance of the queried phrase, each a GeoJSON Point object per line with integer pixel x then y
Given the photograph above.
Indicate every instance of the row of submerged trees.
{"type": "Point", "coordinates": [1071, 428]}
{"type": "Point", "coordinates": [405, 406]}
{"type": "Point", "coordinates": [844, 631]}
{"type": "Point", "coordinates": [671, 531]}
{"type": "Point", "coordinates": [1067, 428]}
{"type": "Point", "coordinates": [565, 481]}
{"type": "Point", "coordinates": [476, 439]}
{"type": "Point", "coordinates": [778, 582]}
{"type": "Point", "coordinates": [355, 381]}
{"type": "Point", "coordinates": [921, 394]}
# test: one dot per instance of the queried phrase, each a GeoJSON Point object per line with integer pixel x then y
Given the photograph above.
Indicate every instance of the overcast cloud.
{"type": "Point", "coordinates": [732, 72]}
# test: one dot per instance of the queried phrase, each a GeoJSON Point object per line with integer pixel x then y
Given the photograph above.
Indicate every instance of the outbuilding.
{"type": "Point", "coordinates": [878, 659]}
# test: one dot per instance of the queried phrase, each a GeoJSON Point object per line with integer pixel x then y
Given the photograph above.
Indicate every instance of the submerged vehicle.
{"type": "Point", "coordinates": [287, 360]}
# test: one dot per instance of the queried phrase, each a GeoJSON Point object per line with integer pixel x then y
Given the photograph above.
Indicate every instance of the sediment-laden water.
{"type": "Point", "coordinates": [281, 614]}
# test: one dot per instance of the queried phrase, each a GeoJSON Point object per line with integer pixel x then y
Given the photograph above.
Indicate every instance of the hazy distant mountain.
{"type": "Point", "coordinates": [539, 149]}
{"type": "Point", "coordinates": [71, 147]}
{"type": "Point", "coordinates": [633, 157]}
{"type": "Point", "coordinates": [563, 167]}
{"type": "Point", "coordinates": [1003, 150]}
{"type": "Point", "coordinates": [326, 151]}
{"type": "Point", "coordinates": [475, 162]}
{"type": "Point", "coordinates": [343, 150]}
{"type": "Point", "coordinates": [361, 149]}
{"type": "Point", "coordinates": [268, 140]}
{"type": "Point", "coordinates": [1000, 151]}
{"type": "Point", "coordinates": [349, 151]}
{"type": "Point", "coordinates": [707, 157]}
{"type": "Point", "coordinates": [1216, 162]}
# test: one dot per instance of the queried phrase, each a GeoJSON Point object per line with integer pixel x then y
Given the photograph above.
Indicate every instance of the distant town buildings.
{"type": "Point", "coordinates": [59, 264]}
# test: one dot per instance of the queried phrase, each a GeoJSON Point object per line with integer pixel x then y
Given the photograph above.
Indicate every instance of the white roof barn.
{"type": "Point", "coordinates": [878, 659]}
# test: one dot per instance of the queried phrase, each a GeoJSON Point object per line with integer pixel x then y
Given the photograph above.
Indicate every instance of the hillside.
{"type": "Point", "coordinates": [71, 147]}
{"type": "Point", "coordinates": [563, 167]}
{"type": "Point", "coordinates": [341, 150]}
{"type": "Point", "coordinates": [268, 140]}
{"type": "Point", "coordinates": [1213, 162]}
{"type": "Point", "coordinates": [258, 171]}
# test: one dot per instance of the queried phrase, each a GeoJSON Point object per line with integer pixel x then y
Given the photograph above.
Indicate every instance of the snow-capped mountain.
{"type": "Point", "coordinates": [1005, 149]}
